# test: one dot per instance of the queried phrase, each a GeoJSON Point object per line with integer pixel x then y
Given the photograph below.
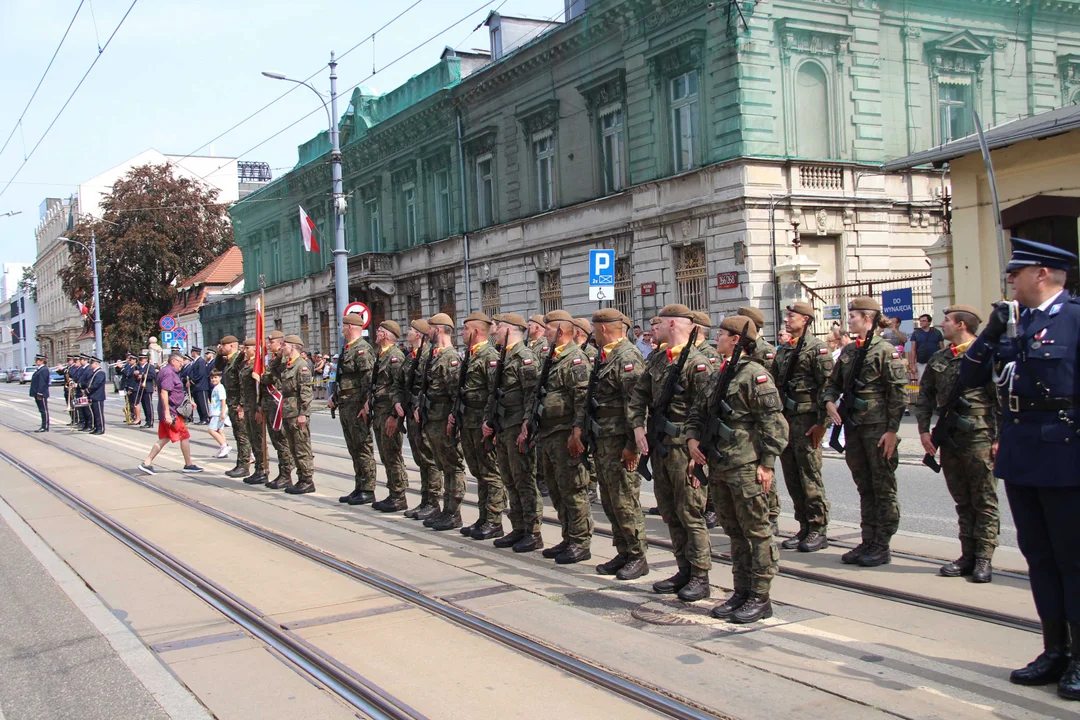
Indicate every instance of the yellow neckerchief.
{"type": "Point", "coordinates": [230, 355]}
{"type": "Point", "coordinates": [352, 342]}
{"type": "Point", "coordinates": [662, 346]}
{"type": "Point", "coordinates": [609, 347]}
{"type": "Point", "coordinates": [961, 348]}
{"type": "Point", "coordinates": [510, 345]}
{"type": "Point", "coordinates": [559, 349]}
{"type": "Point", "coordinates": [477, 346]}
{"type": "Point", "coordinates": [383, 350]}
{"type": "Point", "coordinates": [290, 362]}
{"type": "Point", "coordinates": [674, 352]}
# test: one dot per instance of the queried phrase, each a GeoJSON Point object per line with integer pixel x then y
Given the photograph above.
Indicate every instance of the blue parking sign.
{"type": "Point", "coordinates": [601, 268]}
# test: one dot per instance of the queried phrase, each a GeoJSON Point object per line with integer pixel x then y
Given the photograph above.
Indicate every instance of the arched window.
{"type": "Point", "coordinates": [812, 111]}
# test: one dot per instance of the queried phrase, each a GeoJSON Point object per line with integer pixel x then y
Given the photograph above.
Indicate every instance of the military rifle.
{"type": "Point", "coordinates": [716, 427]}
{"type": "Point", "coordinates": [411, 401]}
{"type": "Point", "coordinates": [949, 423]}
{"type": "Point", "coordinates": [458, 410]}
{"type": "Point", "coordinates": [494, 419]}
{"type": "Point", "coordinates": [658, 426]}
{"type": "Point", "coordinates": [850, 401]}
{"type": "Point", "coordinates": [591, 428]}
{"type": "Point", "coordinates": [532, 425]}
{"type": "Point", "coordinates": [423, 402]}
{"type": "Point", "coordinates": [786, 387]}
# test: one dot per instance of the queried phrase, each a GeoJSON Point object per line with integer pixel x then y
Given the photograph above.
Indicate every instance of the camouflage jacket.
{"type": "Point", "coordinates": [589, 350]}
{"type": "Point", "coordinates": [539, 346]}
{"type": "Point", "coordinates": [620, 368]}
{"type": "Point", "coordinates": [650, 386]}
{"type": "Point", "coordinates": [942, 372]}
{"type": "Point", "coordinates": [564, 404]}
{"type": "Point", "coordinates": [884, 388]}
{"type": "Point", "coordinates": [271, 372]}
{"type": "Point", "coordinates": [248, 396]}
{"type": "Point", "coordinates": [808, 380]}
{"type": "Point", "coordinates": [387, 374]}
{"type": "Point", "coordinates": [760, 430]}
{"type": "Point", "coordinates": [412, 358]}
{"type": "Point", "coordinates": [354, 370]}
{"type": "Point", "coordinates": [477, 389]}
{"type": "Point", "coordinates": [443, 382]}
{"type": "Point", "coordinates": [706, 349]}
{"type": "Point", "coordinates": [294, 384]}
{"type": "Point", "coordinates": [764, 353]}
{"type": "Point", "coordinates": [230, 378]}
{"type": "Point", "coordinates": [511, 399]}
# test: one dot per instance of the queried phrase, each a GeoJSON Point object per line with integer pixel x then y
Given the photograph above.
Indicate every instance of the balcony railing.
{"type": "Point", "coordinates": [821, 177]}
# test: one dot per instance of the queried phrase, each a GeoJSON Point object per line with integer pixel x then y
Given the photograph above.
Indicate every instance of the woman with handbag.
{"type": "Point", "coordinates": [173, 404]}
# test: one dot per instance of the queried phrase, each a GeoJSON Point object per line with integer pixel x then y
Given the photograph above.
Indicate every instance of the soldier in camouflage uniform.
{"type": "Point", "coordinates": [871, 432]}
{"type": "Point", "coordinates": [805, 413]}
{"type": "Point", "coordinates": [682, 505]}
{"type": "Point", "coordinates": [582, 335]}
{"type": "Point", "coordinates": [741, 478]}
{"type": "Point", "coordinates": [269, 408]}
{"type": "Point", "coordinates": [385, 414]}
{"type": "Point", "coordinates": [968, 464]}
{"type": "Point", "coordinates": [230, 378]}
{"type": "Point", "coordinates": [430, 478]}
{"type": "Point", "coordinates": [765, 353]}
{"type": "Point", "coordinates": [249, 405]}
{"type": "Point", "coordinates": [441, 389]}
{"type": "Point", "coordinates": [295, 386]}
{"type": "Point", "coordinates": [607, 423]}
{"type": "Point", "coordinates": [474, 396]}
{"type": "Point", "coordinates": [353, 388]}
{"type": "Point", "coordinates": [704, 324]}
{"type": "Point", "coordinates": [538, 343]}
{"type": "Point", "coordinates": [507, 405]}
{"type": "Point", "coordinates": [561, 408]}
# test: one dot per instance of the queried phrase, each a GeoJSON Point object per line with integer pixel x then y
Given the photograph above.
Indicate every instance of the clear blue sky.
{"type": "Point", "coordinates": [179, 72]}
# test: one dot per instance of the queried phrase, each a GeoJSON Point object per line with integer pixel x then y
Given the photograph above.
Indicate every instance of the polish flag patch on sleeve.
{"type": "Point", "coordinates": [770, 356]}
{"type": "Point", "coordinates": [393, 359]}
{"type": "Point", "coordinates": [628, 367]}
{"type": "Point", "coordinates": [896, 356]}
{"type": "Point", "coordinates": [823, 351]}
{"type": "Point", "coordinates": [702, 367]}
{"type": "Point", "coordinates": [360, 351]}
{"type": "Point", "coordinates": [453, 363]}
{"type": "Point", "coordinates": [527, 361]}
{"type": "Point", "coordinates": [493, 363]}
{"type": "Point", "coordinates": [577, 361]}
{"type": "Point", "coordinates": [761, 378]}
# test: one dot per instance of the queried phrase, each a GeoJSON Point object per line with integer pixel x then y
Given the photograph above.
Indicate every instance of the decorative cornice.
{"type": "Point", "coordinates": [604, 90]}
{"type": "Point", "coordinates": [960, 52]}
{"type": "Point", "coordinates": [809, 39]}
{"type": "Point", "coordinates": [679, 54]}
{"type": "Point", "coordinates": [535, 118]}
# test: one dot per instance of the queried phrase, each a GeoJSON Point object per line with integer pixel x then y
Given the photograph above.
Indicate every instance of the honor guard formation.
{"type": "Point", "coordinates": [555, 405]}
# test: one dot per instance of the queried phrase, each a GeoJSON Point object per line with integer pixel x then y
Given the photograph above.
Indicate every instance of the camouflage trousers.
{"type": "Point", "coordinates": [255, 437]}
{"type": "Point", "coordinates": [568, 487]}
{"type": "Point", "coordinates": [682, 506]}
{"type": "Point", "coordinates": [802, 475]}
{"type": "Point", "coordinates": [969, 475]}
{"type": "Point", "coordinates": [875, 479]}
{"type": "Point", "coordinates": [277, 439]}
{"type": "Point", "coordinates": [484, 466]}
{"type": "Point", "coordinates": [430, 479]}
{"type": "Point", "coordinates": [240, 434]}
{"type": "Point", "coordinates": [525, 507]}
{"type": "Point", "coordinates": [358, 441]}
{"type": "Point", "coordinates": [620, 491]}
{"type": "Point", "coordinates": [743, 509]}
{"type": "Point", "coordinates": [397, 480]}
{"type": "Point", "coordinates": [298, 438]}
{"type": "Point", "coordinates": [447, 455]}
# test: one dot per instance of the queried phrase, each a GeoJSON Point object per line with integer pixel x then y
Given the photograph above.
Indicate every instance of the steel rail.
{"type": "Point", "coordinates": [366, 697]}
{"type": "Point", "coordinates": [650, 697]}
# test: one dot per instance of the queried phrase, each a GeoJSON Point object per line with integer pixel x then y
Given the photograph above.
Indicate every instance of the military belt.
{"type": "Point", "coordinates": [551, 420]}
{"type": "Point", "coordinates": [347, 393]}
{"type": "Point", "coordinates": [475, 404]}
{"type": "Point", "coordinates": [1020, 404]}
{"type": "Point", "coordinates": [870, 394]}
{"type": "Point", "coordinates": [801, 397]}
{"type": "Point", "coordinates": [975, 412]}
{"type": "Point", "coordinates": [513, 398]}
{"type": "Point", "coordinates": [609, 412]}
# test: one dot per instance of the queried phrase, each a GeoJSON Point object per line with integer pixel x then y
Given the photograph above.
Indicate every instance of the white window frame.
{"type": "Point", "coordinates": [371, 208]}
{"type": "Point", "coordinates": [948, 107]}
{"type": "Point", "coordinates": [612, 135]}
{"type": "Point", "coordinates": [544, 156]}
{"type": "Point", "coordinates": [684, 119]}
{"type": "Point", "coordinates": [408, 207]}
{"type": "Point", "coordinates": [485, 211]}
{"type": "Point", "coordinates": [442, 202]}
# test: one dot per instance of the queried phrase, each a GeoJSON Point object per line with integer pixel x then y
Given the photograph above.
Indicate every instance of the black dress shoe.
{"type": "Point", "coordinates": [1069, 684]}
{"type": "Point", "coordinates": [554, 550]}
{"type": "Point", "coordinates": [876, 554]}
{"type": "Point", "coordinates": [528, 543]}
{"type": "Point", "coordinates": [851, 557]}
{"type": "Point", "coordinates": [149, 426]}
{"type": "Point", "coordinates": [488, 531]}
{"type": "Point", "coordinates": [466, 530]}
{"type": "Point", "coordinates": [237, 472]}
{"type": "Point", "coordinates": [633, 569]}
{"type": "Point", "coordinates": [983, 572]}
{"type": "Point", "coordinates": [302, 487]}
{"type": "Point", "coordinates": [1050, 666]}
{"type": "Point", "coordinates": [733, 603]}
{"type": "Point", "coordinates": [573, 554]}
{"type": "Point", "coordinates": [711, 520]}
{"type": "Point", "coordinates": [510, 539]}
{"type": "Point", "coordinates": [362, 498]}
{"type": "Point", "coordinates": [257, 478]}
{"type": "Point", "coordinates": [793, 542]}
{"type": "Point", "coordinates": [613, 565]}
{"type": "Point", "coordinates": [697, 589]}
{"type": "Point", "coordinates": [97, 432]}
{"type": "Point", "coordinates": [813, 542]}
{"type": "Point", "coordinates": [757, 607]}
{"type": "Point", "coordinates": [673, 584]}
{"type": "Point", "coordinates": [345, 498]}
{"type": "Point", "coordinates": [962, 565]}
{"type": "Point", "coordinates": [653, 511]}
{"type": "Point", "coordinates": [390, 504]}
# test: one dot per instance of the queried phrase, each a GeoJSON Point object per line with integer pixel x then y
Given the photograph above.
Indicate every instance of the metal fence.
{"type": "Point", "coordinates": [836, 297]}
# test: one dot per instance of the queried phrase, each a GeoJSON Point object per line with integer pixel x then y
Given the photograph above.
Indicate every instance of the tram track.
{"type": "Point", "coordinates": [369, 699]}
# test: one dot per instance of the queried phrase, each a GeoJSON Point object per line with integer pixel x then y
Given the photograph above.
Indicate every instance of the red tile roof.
{"type": "Point", "coordinates": [226, 269]}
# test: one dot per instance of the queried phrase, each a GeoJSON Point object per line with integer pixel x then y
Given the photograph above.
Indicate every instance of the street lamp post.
{"type": "Point", "coordinates": [92, 249]}
{"type": "Point", "coordinates": [341, 255]}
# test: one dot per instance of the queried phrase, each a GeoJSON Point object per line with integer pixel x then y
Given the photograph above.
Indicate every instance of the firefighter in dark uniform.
{"type": "Point", "coordinates": [1039, 445]}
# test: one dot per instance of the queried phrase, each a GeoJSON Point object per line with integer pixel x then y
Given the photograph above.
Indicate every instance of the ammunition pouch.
{"type": "Point", "coordinates": [859, 405]}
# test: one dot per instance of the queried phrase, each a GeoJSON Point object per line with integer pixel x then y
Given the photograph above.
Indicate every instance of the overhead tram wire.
{"type": "Point", "coordinates": [42, 79]}
{"type": "Point", "coordinates": [70, 97]}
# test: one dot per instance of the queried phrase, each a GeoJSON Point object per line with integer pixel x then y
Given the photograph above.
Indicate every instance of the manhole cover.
{"type": "Point", "coordinates": [675, 613]}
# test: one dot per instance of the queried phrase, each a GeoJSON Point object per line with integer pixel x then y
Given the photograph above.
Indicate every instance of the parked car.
{"type": "Point", "coordinates": [55, 378]}
{"type": "Point", "coordinates": [27, 375]}
{"type": "Point", "coordinates": [14, 375]}
{"type": "Point", "coordinates": [3, 375]}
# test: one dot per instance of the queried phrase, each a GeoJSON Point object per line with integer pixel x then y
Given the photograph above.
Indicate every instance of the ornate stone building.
{"type": "Point", "coordinates": [697, 139]}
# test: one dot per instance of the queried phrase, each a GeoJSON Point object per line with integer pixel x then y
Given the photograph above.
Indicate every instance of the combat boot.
{"type": "Point", "coordinates": [554, 550]}
{"type": "Point", "coordinates": [361, 497]}
{"type": "Point", "coordinates": [756, 607]}
{"type": "Point", "coordinates": [237, 472]}
{"type": "Point", "coordinates": [1052, 663]}
{"type": "Point", "coordinates": [451, 517]}
{"type": "Point", "coordinates": [488, 531]}
{"type": "Point", "coordinates": [963, 565]}
{"type": "Point", "coordinates": [793, 542]}
{"type": "Point", "coordinates": [876, 554]}
{"type": "Point", "coordinates": [281, 481]}
{"type": "Point", "coordinates": [573, 554]}
{"type": "Point", "coordinates": [633, 569]}
{"type": "Point", "coordinates": [733, 603]}
{"type": "Point", "coordinates": [983, 572]}
{"type": "Point", "coordinates": [344, 499]}
{"type": "Point", "coordinates": [675, 583]}
{"type": "Point", "coordinates": [256, 478]}
{"type": "Point", "coordinates": [509, 540]}
{"type": "Point", "coordinates": [427, 510]}
{"type": "Point", "coordinates": [697, 589]}
{"type": "Point", "coordinates": [434, 518]}
{"type": "Point", "coordinates": [467, 529]}
{"type": "Point", "coordinates": [390, 504]}
{"type": "Point", "coordinates": [302, 487]}
{"type": "Point", "coordinates": [528, 543]}
{"type": "Point", "coordinates": [1069, 684]}
{"type": "Point", "coordinates": [813, 542]}
{"type": "Point", "coordinates": [851, 557]}
{"type": "Point", "coordinates": [613, 565]}
{"type": "Point", "coordinates": [411, 512]}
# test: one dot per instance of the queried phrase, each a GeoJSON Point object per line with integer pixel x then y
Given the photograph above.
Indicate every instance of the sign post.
{"type": "Point", "coordinates": [602, 275]}
{"type": "Point", "coordinates": [359, 308]}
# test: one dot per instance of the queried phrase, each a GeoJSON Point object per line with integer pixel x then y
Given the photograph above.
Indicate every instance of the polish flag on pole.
{"type": "Point", "coordinates": [260, 339]}
{"type": "Point", "coordinates": [307, 230]}
{"type": "Point", "coordinates": [83, 309]}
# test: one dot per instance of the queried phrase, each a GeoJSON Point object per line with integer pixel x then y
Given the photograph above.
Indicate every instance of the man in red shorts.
{"type": "Point", "coordinates": [171, 427]}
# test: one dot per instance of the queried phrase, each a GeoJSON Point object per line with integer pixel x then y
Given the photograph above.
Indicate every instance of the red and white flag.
{"type": "Point", "coordinates": [307, 230]}
{"type": "Point", "coordinates": [83, 309]}
{"type": "Point", "coordinates": [260, 340]}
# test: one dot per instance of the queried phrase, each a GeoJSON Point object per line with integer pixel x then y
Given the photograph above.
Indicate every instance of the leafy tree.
{"type": "Point", "coordinates": [156, 228]}
{"type": "Point", "coordinates": [28, 282]}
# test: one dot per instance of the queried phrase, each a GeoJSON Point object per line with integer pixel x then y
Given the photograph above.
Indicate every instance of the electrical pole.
{"type": "Point", "coordinates": [341, 255]}
{"type": "Point", "coordinates": [99, 349]}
